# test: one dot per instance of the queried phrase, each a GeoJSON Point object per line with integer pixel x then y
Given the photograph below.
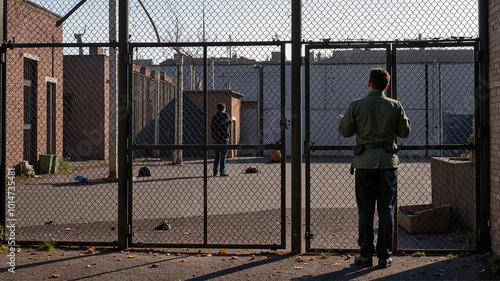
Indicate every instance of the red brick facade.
{"type": "Point", "coordinates": [494, 52]}
{"type": "Point", "coordinates": [28, 22]}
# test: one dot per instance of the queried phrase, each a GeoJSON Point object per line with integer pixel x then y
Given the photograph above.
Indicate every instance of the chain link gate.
{"type": "Point", "coordinates": [182, 204]}
{"type": "Point", "coordinates": [437, 83]}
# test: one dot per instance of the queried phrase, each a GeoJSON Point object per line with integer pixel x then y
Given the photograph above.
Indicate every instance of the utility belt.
{"type": "Point", "coordinates": [389, 147]}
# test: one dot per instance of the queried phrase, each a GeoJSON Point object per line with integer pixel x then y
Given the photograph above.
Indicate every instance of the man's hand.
{"type": "Point", "coordinates": [339, 118]}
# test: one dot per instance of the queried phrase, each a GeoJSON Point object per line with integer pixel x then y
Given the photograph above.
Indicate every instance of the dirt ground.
{"type": "Point", "coordinates": [84, 263]}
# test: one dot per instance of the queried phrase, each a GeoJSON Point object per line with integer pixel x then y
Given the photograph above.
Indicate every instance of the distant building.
{"type": "Point", "coordinates": [86, 103]}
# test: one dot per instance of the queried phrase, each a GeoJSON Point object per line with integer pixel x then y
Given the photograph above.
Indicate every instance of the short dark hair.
{"type": "Point", "coordinates": [379, 78]}
{"type": "Point", "coordinates": [221, 106]}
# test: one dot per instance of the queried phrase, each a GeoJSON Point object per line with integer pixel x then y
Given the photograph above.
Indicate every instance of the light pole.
{"type": "Point", "coordinates": [260, 69]}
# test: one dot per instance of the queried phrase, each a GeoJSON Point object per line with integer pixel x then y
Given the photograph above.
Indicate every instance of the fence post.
{"type": "Point", "coordinates": [296, 127]}
{"type": "Point", "coordinates": [113, 122]}
{"type": "Point", "coordinates": [124, 112]}
{"type": "Point", "coordinates": [483, 169]}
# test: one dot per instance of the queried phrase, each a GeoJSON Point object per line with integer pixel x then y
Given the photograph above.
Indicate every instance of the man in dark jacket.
{"type": "Point", "coordinates": [377, 121]}
{"type": "Point", "coordinates": [221, 130]}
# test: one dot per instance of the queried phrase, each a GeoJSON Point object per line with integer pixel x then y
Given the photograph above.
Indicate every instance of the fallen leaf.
{"type": "Point", "coordinates": [56, 275]}
{"type": "Point", "coordinates": [178, 254]}
{"type": "Point", "coordinates": [131, 256]}
{"type": "Point", "coordinates": [336, 264]}
{"type": "Point", "coordinates": [88, 266]}
{"type": "Point", "coordinates": [310, 259]}
{"type": "Point", "coordinates": [90, 250]}
{"type": "Point", "coordinates": [94, 263]}
{"type": "Point", "coordinates": [297, 267]}
{"type": "Point", "coordinates": [18, 250]}
{"type": "Point", "coordinates": [85, 259]}
{"type": "Point", "coordinates": [349, 256]}
{"type": "Point", "coordinates": [222, 252]}
{"type": "Point", "coordinates": [155, 265]}
{"type": "Point", "coordinates": [299, 259]}
{"type": "Point", "coordinates": [183, 260]}
{"type": "Point", "coordinates": [119, 259]}
{"type": "Point", "coordinates": [68, 229]}
{"type": "Point", "coordinates": [252, 257]}
{"type": "Point", "coordinates": [99, 221]}
{"type": "Point", "coordinates": [234, 257]}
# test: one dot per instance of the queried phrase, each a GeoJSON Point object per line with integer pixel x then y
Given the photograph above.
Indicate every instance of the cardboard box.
{"type": "Point", "coordinates": [424, 218]}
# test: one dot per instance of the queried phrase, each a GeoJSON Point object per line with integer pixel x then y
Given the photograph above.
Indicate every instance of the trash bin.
{"type": "Point", "coordinates": [45, 162]}
{"type": "Point", "coordinates": [55, 164]}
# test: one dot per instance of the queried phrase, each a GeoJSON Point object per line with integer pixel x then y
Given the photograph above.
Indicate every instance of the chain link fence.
{"type": "Point", "coordinates": [437, 188]}
{"type": "Point", "coordinates": [62, 117]}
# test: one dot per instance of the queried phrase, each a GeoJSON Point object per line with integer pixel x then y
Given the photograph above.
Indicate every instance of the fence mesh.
{"type": "Point", "coordinates": [436, 88]}
{"type": "Point", "coordinates": [62, 116]}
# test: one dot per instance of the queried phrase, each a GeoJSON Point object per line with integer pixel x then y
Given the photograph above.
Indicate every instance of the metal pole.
{"type": "Point", "coordinates": [296, 127]}
{"type": "Point", "coordinates": [124, 228]}
{"type": "Point", "coordinates": [157, 110]}
{"type": "Point", "coordinates": [179, 62]}
{"type": "Point", "coordinates": [483, 143]}
{"type": "Point", "coordinates": [113, 102]}
{"type": "Point", "coordinates": [261, 107]}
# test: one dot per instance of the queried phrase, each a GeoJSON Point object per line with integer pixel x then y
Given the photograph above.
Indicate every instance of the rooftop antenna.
{"type": "Point", "coordinates": [78, 37]}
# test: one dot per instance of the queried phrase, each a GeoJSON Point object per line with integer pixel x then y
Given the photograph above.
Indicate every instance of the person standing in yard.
{"type": "Point", "coordinates": [221, 130]}
{"type": "Point", "coordinates": [377, 121]}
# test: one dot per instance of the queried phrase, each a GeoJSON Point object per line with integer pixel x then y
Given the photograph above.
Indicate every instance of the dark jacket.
{"type": "Point", "coordinates": [221, 126]}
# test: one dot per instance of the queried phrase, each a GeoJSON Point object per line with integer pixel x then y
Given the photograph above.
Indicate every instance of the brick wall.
{"type": "Point", "coordinates": [494, 34]}
{"type": "Point", "coordinates": [28, 22]}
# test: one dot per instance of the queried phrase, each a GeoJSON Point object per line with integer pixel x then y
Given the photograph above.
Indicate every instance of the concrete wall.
{"type": "Point", "coordinates": [335, 81]}
{"type": "Point", "coordinates": [494, 34]}
{"type": "Point", "coordinates": [28, 22]}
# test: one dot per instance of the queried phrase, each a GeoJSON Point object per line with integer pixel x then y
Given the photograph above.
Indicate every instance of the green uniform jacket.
{"type": "Point", "coordinates": [375, 119]}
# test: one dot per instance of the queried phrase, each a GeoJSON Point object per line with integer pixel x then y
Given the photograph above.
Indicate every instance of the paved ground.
{"type": "Point", "coordinates": [56, 206]}
{"type": "Point", "coordinates": [185, 264]}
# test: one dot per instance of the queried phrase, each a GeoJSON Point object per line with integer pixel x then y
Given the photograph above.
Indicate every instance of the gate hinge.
{"type": "Point", "coordinates": [479, 56]}
{"type": "Point", "coordinates": [309, 235]}
{"type": "Point", "coordinates": [127, 59]}
{"type": "Point", "coordinates": [310, 146]}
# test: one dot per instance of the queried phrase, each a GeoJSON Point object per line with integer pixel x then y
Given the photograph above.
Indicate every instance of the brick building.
{"type": "Point", "coordinates": [86, 103]}
{"type": "Point", "coordinates": [494, 77]}
{"type": "Point", "coordinates": [34, 84]}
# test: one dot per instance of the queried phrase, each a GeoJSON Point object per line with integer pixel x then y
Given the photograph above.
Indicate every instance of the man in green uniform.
{"type": "Point", "coordinates": [377, 121]}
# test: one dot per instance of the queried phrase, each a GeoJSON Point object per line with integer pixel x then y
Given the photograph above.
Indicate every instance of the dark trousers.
{"type": "Point", "coordinates": [376, 186]}
{"type": "Point", "coordinates": [220, 158]}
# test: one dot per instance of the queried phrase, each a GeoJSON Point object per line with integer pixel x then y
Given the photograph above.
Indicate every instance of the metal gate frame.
{"type": "Point", "coordinates": [391, 62]}
{"type": "Point", "coordinates": [205, 147]}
